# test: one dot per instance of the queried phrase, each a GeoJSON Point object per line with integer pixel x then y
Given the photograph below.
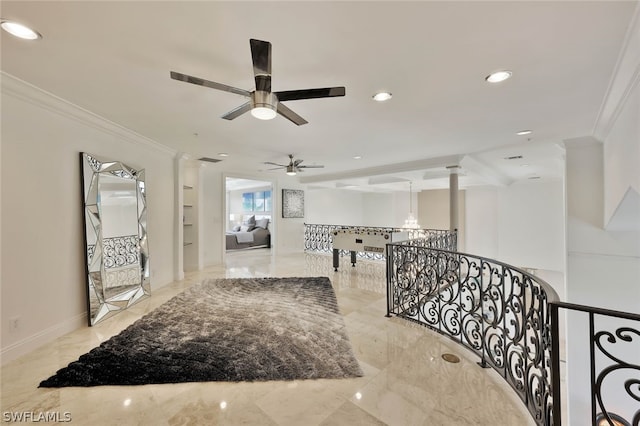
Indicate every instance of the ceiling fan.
{"type": "Point", "coordinates": [263, 103]}
{"type": "Point", "coordinates": [293, 167]}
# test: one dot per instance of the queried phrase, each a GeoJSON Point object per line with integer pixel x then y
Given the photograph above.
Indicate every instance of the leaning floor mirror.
{"type": "Point", "coordinates": [115, 223]}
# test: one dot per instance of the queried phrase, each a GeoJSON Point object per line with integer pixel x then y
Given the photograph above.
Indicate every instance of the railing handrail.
{"type": "Point", "coordinates": [549, 290]}
{"type": "Point", "coordinates": [596, 310]}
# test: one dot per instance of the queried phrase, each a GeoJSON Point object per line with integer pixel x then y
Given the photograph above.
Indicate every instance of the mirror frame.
{"type": "Point", "coordinates": [99, 306]}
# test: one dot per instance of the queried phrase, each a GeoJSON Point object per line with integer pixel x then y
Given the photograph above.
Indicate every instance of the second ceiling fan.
{"type": "Point", "coordinates": [263, 103]}
{"type": "Point", "coordinates": [293, 167]}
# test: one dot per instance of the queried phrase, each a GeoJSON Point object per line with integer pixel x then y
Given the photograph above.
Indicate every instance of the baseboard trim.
{"type": "Point", "coordinates": [34, 341]}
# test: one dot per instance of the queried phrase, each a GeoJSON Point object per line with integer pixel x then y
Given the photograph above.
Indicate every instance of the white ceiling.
{"type": "Point", "coordinates": [114, 58]}
{"type": "Point", "coordinates": [237, 184]}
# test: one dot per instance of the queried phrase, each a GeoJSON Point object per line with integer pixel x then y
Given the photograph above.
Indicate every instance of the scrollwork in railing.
{"type": "Point", "coordinates": [613, 348]}
{"type": "Point", "coordinates": [631, 386]}
{"type": "Point", "coordinates": [497, 311]}
{"type": "Point", "coordinates": [317, 238]}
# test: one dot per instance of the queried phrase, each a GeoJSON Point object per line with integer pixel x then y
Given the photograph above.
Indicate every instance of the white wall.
{"type": "Point", "coordinates": [289, 231]}
{"type": "Point", "coordinates": [522, 225]}
{"type": "Point", "coordinates": [433, 212]}
{"type": "Point", "coordinates": [334, 207]}
{"type": "Point", "coordinates": [346, 207]}
{"type": "Point", "coordinates": [213, 190]}
{"type": "Point", "coordinates": [379, 210]}
{"type": "Point", "coordinates": [622, 155]}
{"type": "Point", "coordinates": [531, 221]}
{"type": "Point", "coordinates": [481, 221]}
{"type": "Point", "coordinates": [43, 281]}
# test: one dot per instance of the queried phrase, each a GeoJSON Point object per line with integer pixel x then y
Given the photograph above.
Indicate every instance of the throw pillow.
{"type": "Point", "coordinates": [262, 223]}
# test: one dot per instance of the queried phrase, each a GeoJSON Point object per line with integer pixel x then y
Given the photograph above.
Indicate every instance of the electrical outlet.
{"type": "Point", "coordinates": [14, 323]}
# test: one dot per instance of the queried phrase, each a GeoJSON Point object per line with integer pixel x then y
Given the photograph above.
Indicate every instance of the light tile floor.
{"type": "Point", "coordinates": [406, 381]}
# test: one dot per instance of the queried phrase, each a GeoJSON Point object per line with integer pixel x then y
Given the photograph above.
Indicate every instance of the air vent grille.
{"type": "Point", "coordinates": [513, 157]}
{"type": "Point", "coordinates": [209, 160]}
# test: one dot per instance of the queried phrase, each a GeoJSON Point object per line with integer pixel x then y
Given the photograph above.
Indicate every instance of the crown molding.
{"type": "Point", "coordinates": [27, 92]}
{"type": "Point", "coordinates": [625, 77]}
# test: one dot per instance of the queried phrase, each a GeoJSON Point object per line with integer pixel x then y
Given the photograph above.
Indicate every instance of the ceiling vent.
{"type": "Point", "coordinates": [209, 160]}
{"type": "Point", "coordinates": [513, 157]}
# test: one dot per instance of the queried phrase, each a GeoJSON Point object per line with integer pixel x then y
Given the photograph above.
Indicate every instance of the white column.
{"type": "Point", "coordinates": [453, 197]}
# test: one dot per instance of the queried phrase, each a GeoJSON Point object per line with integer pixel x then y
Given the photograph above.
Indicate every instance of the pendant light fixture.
{"type": "Point", "coordinates": [411, 222]}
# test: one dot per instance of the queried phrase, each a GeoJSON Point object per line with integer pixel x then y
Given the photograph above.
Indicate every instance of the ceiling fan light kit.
{"type": "Point", "coordinates": [263, 103]}
{"type": "Point", "coordinates": [293, 167]}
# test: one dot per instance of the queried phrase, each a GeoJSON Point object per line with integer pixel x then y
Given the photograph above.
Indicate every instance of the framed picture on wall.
{"type": "Point", "coordinates": [292, 203]}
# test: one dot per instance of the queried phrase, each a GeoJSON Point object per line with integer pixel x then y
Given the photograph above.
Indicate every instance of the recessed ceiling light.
{"type": "Point", "coordinates": [498, 76]}
{"type": "Point", "coordinates": [523, 132]}
{"type": "Point", "coordinates": [382, 96]}
{"type": "Point", "coordinates": [357, 157]}
{"type": "Point", "coordinates": [19, 30]}
{"type": "Point", "coordinates": [223, 154]}
{"type": "Point", "coordinates": [524, 165]}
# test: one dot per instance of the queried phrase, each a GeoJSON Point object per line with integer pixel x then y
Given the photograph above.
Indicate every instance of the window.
{"type": "Point", "coordinates": [247, 201]}
{"type": "Point", "coordinates": [259, 201]}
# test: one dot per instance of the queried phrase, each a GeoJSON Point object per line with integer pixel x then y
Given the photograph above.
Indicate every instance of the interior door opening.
{"type": "Point", "coordinates": [249, 215]}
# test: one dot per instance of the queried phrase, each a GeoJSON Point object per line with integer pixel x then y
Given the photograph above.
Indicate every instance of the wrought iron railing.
{"type": "Point", "coordinates": [318, 238]}
{"type": "Point", "coordinates": [614, 354]}
{"type": "Point", "coordinates": [499, 312]}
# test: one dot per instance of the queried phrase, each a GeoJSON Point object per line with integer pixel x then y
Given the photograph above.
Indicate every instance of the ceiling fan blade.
{"type": "Point", "coordinates": [294, 95]}
{"type": "Point", "coordinates": [211, 84]}
{"type": "Point", "coordinates": [297, 163]}
{"type": "Point", "coordinates": [261, 56]}
{"type": "Point", "coordinates": [311, 167]}
{"type": "Point", "coordinates": [274, 164]}
{"type": "Point", "coordinates": [278, 168]}
{"type": "Point", "coordinates": [245, 107]}
{"type": "Point", "coordinates": [290, 115]}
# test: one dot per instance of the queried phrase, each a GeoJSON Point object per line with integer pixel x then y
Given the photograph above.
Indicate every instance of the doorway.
{"type": "Point", "coordinates": [249, 215]}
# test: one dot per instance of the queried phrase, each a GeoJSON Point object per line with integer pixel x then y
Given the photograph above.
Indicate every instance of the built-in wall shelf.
{"type": "Point", "coordinates": [188, 224]}
{"type": "Point", "coordinates": [187, 244]}
{"type": "Point", "coordinates": [187, 205]}
{"type": "Point", "coordinates": [187, 187]}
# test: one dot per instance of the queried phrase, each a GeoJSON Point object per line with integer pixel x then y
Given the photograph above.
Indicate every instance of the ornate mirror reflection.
{"type": "Point", "coordinates": [115, 222]}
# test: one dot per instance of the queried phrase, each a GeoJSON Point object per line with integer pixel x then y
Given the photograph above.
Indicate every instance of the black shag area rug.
{"type": "Point", "coordinates": [233, 330]}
